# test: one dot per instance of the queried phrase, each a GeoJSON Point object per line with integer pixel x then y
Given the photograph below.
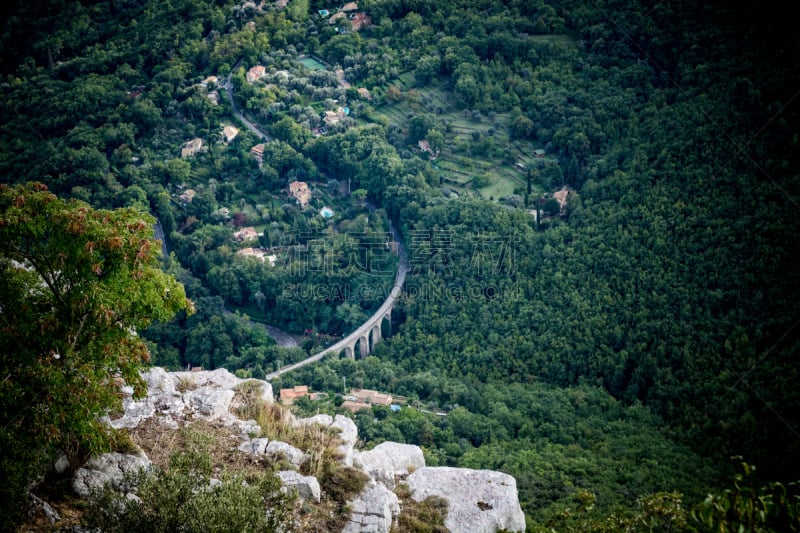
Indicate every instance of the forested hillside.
{"type": "Point", "coordinates": [624, 340]}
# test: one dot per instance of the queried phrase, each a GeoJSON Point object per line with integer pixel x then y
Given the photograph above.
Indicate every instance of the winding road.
{"type": "Point", "coordinates": [283, 338]}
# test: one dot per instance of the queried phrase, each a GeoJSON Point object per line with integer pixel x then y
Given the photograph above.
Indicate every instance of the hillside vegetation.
{"type": "Point", "coordinates": [626, 343]}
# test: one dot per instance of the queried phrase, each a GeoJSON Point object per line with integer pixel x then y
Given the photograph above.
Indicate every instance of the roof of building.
{"type": "Point", "coordinates": [371, 397]}
{"type": "Point", "coordinates": [230, 133]}
{"type": "Point", "coordinates": [355, 406]}
{"type": "Point", "coordinates": [246, 234]}
{"type": "Point", "coordinates": [191, 148]}
{"type": "Point", "coordinates": [301, 192]}
{"type": "Point", "coordinates": [255, 73]}
{"type": "Point", "coordinates": [188, 195]}
{"type": "Point", "coordinates": [289, 395]}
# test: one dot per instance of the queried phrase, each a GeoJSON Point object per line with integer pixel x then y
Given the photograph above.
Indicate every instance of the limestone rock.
{"type": "Point", "coordinates": [307, 486]}
{"type": "Point", "coordinates": [159, 381]}
{"type": "Point", "coordinates": [278, 449]}
{"type": "Point", "coordinates": [322, 420]}
{"type": "Point", "coordinates": [248, 427]}
{"type": "Point", "coordinates": [174, 397]}
{"type": "Point", "coordinates": [209, 403]}
{"type": "Point", "coordinates": [348, 432]}
{"type": "Point", "coordinates": [480, 501]}
{"type": "Point", "coordinates": [389, 459]}
{"type": "Point", "coordinates": [114, 469]}
{"type": "Point", "coordinates": [255, 446]}
{"type": "Point", "coordinates": [373, 510]}
{"type": "Point", "coordinates": [62, 464]}
{"type": "Point", "coordinates": [37, 505]}
{"type": "Point", "coordinates": [348, 429]}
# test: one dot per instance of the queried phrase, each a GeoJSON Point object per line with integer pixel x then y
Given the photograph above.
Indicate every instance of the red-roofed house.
{"type": "Point", "coordinates": [288, 396]}
{"type": "Point", "coordinates": [300, 191]}
{"type": "Point", "coordinates": [256, 73]}
{"type": "Point", "coordinates": [257, 152]}
{"type": "Point", "coordinates": [246, 234]}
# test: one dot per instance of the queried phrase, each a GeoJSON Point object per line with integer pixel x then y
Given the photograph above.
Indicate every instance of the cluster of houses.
{"type": "Point", "coordinates": [348, 11]}
{"type": "Point", "coordinates": [359, 399]}
{"type": "Point", "coordinates": [356, 400]}
{"type": "Point", "coordinates": [288, 396]}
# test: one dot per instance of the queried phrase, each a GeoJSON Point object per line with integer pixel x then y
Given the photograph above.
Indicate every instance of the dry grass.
{"type": "Point", "coordinates": [221, 442]}
{"type": "Point", "coordinates": [426, 516]}
{"type": "Point", "coordinates": [185, 384]}
{"type": "Point", "coordinates": [340, 483]}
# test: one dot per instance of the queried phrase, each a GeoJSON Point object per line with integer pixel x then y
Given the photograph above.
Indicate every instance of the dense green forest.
{"type": "Point", "coordinates": [627, 342]}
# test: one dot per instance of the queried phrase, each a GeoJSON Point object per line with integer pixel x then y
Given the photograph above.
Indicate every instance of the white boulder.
{"type": "Point", "coordinates": [254, 446]}
{"type": "Point", "coordinates": [281, 450]}
{"type": "Point", "coordinates": [373, 511]}
{"type": "Point", "coordinates": [115, 469]}
{"type": "Point", "coordinates": [479, 501]}
{"type": "Point", "coordinates": [389, 459]}
{"type": "Point", "coordinates": [307, 487]}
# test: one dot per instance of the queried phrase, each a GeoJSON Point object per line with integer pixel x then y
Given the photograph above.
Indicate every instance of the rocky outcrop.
{"type": "Point", "coordinates": [307, 487]}
{"type": "Point", "coordinates": [390, 459]}
{"type": "Point", "coordinates": [117, 470]}
{"type": "Point", "coordinates": [373, 511]}
{"type": "Point", "coordinates": [278, 450]}
{"type": "Point", "coordinates": [348, 432]}
{"type": "Point", "coordinates": [37, 506]}
{"type": "Point", "coordinates": [174, 398]}
{"type": "Point", "coordinates": [255, 446]}
{"type": "Point", "coordinates": [479, 501]}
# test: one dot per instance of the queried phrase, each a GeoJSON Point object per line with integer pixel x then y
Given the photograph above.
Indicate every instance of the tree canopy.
{"type": "Point", "coordinates": [75, 286]}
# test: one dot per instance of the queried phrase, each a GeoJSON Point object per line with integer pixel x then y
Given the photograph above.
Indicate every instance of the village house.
{"type": "Point", "coordinates": [364, 93]}
{"type": "Point", "coordinates": [288, 396]}
{"type": "Point", "coordinates": [350, 6]}
{"type": "Point", "coordinates": [191, 148]}
{"type": "Point", "coordinates": [257, 152]}
{"type": "Point", "coordinates": [562, 196]}
{"type": "Point", "coordinates": [260, 254]}
{"type": "Point", "coordinates": [370, 397]}
{"type": "Point", "coordinates": [246, 234]}
{"type": "Point", "coordinates": [333, 117]}
{"type": "Point", "coordinates": [425, 146]}
{"type": "Point", "coordinates": [230, 133]}
{"type": "Point", "coordinates": [359, 20]}
{"type": "Point", "coordinates": [187, 196]}
{"type": "Point", "coordinates": [300, 191]}
{"type": "Point", "coordinates": [256, 73]}
{"type": "Point", "coordinates": [209, 80]}
{"type": "Point", "coordinates": [360, 399]}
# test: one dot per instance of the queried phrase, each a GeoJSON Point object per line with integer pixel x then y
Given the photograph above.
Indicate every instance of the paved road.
{"type": "Point", "coordinates": [228, 86]}
{"type": "Point", "coordinates": [286, 340]}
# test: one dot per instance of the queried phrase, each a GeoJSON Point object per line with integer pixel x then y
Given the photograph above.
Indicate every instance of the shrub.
{"type": "Point", "coordinates": [182, 497]}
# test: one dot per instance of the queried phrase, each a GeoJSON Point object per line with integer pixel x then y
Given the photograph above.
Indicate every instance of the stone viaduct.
{"type": "Point", "coordinates": [367, 335]}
